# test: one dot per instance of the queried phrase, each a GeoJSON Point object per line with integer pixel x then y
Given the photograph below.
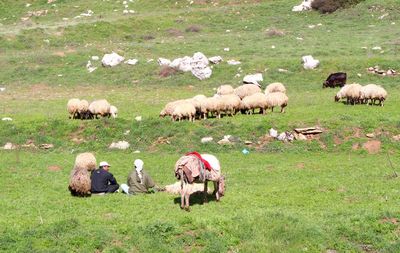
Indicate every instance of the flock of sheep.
{"type": "Point", "coordinates": [246, 98]}
{"type": "Point", "coordinates": [358, 94]}
{"type": "Point", "coordinates": [79, 181]}
{"type": "Point", "coordinates": [81, 109]}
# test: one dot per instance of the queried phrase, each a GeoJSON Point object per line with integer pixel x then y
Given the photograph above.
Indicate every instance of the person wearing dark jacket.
{"type": "Point", "coordinates": [103, 181]}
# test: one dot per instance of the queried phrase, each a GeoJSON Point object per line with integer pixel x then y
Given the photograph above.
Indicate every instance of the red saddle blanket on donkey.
{"type": "Point", "coordinates": [206, 164]}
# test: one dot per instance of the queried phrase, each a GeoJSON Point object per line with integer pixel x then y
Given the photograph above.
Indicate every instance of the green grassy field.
{"type": "Point", "coordinates": [328, 194]}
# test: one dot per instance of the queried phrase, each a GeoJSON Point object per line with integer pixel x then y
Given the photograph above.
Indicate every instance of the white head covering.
{"type": "Point", "coordinates": [139, 167]}
{"type": "Point", "coordinates": [104, 163]}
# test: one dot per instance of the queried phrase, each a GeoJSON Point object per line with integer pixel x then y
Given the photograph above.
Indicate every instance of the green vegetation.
{"type": "Point", "coordinates": [324, 194]}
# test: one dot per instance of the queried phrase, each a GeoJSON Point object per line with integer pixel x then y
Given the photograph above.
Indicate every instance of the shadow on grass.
{"type": "Point", "coordinates": [196, 198]}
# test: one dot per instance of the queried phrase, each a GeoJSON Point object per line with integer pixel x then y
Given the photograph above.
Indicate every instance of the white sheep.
{"type": "Point", "coordinates": [113, 111]}
{"type": "Point", "coordinates": [83, 109]}
{"type": "Point", "coordinates": [225, 90]}
{"type": "Point", "coordinates": [352, 93]}
{"type": "Point", "coordinates": [184, 110]}
{"type": "Point", "coordinates": [255, 101]}
{"type": "Point", "coordinates": [85, 161]}
{"type": "Point", "coordinates": [246, 90]}
{"type": "Point", "coordinates": [230, 104]}
{"type": "Point", "coordinates": [100, 107]}
{"type": "Point", "coordinates": [373, 93]}
{"type": "Point", "coordinates": [275, 87]}
{"type": "Point", "coordinates": [169, 108]}
{"type": "Point", "coordinates": [211, 105]}
{"type": "Point", "coordinates": [73, 107]}
{"type": "Point", "coordinates": [277, 99]}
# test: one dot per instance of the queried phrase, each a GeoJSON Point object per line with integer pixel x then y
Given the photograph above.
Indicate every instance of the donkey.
{"type": "Point", "coordinates": [190, 168]}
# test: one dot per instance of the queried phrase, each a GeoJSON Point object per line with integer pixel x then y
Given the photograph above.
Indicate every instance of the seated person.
{"type": "Point", "coordinates": [103, 181]}
{"type": "Point", "coordinates": [139, 181]}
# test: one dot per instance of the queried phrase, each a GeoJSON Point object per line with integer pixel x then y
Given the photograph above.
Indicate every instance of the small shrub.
{"type": "Point", "coordinates": [193, 29]}
{"type": "Point", "coordinates": [275, 32]}
{"type": "Point", "coordinates": [329, 6]}
{"type": "Point", "coordinates": [167, 71]}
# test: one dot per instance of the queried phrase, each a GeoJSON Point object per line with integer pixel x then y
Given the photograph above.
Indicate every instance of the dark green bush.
{"type": "Point", "coordinates": [329, 6]}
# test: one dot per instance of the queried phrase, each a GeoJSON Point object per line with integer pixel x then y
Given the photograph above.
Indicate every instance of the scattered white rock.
{"type": "Point", "coordinates": [9, 146]}
{"type": "Point", "coordinates": [164, 62]}
{"type": "Point", "coordinates": [46, 146]}
{"type": "Point", "coordinates": [311, 26]}
{"type": "Point", "coordinates": [377, 48]}
{"type": "Point", "coordinates": [273, 133]}
{"type": "Point", "coordinates": [304, 6]}
{"type": "Point", "coordinates": [393, 23]}
{"type": "Point", "coordinates": [150, 60]}
{"type": "Point", "coordinates": [215, 59]}
{"type": "Point", "coordinates": [383, 16]}
{"type": "Point", "coordinates": [182, 64]}
{"type": "Point", "coordinates": [111, 60]}
{"type": "Point", "coordinates": [2, 89]}
{"type": "Point", "coordinates": [119, 145]}
{"type": "Point", "coordinates": [127, 132]}
{"type": "Point", "coordinates": [359, 75]}
{"type": "Point", "coordinates": [233, 62]}
{"type": "Point", "coordinates": [138, 118]}
{"type": "Point", "coordinates": [89, 13]}
{"type": "Point", "coordinates": [136, 151]}
{"type": "Point", "coordinates": [125, 11]}
{"type": "Point", "coordinates": [6, 119]}
{"type": "Point", "coordinates": [309, 62]}
{"type": "Point", "coordinates": [299, 38]}
{"type": "Point", "coordinates": [131, 61]}
{"type": "Point", "coordinates": [237, 75]}
{"type": "Point", "coordinates": [131, 11]}
{"type": "Point", "coordinates": [225, 140]}
{"type": "Point", "coordinates": [228, 31]}
{"type": "Point", "coordinates": [27, 5]}
{"type": "Point", "coordinates": [273, 47]}
{"type": "Point", "coordinates": [95, 58]}
{"type": "Point", "coordinates": [254, 79]}
{"type": "Point", "coordinates": [90, 67]}
{"type": "Point", "coordinates": [227, 49]}
{"type": "Point", "coordinates": [206, 139]}
{"type": "Point", "coordinates": [286, 136]}
{"type": "Point", "coordinates": [283, 70]}
{"type": "Point", "coordinates": [200, 67]}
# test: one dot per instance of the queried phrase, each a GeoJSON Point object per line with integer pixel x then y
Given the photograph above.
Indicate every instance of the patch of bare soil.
{"type": "Point", "coordinates": [356, 146]}
{"type": "Point", "coordinates": [160, 141]}
{"type": "Point", "coordinates": [373, 146]}
{"type": "Point", "coordinates": [167, 71]}
{"type": "Point", "coordinates": [300, 166]}
{"type": "Point", "coordinates": [174, 32]}
{"type": "Point", "coordinates": [337, 140]}
{"type": "Point", "coordinates": [394, 221]}
{"type": "Point", "coordinates": [54, 168]}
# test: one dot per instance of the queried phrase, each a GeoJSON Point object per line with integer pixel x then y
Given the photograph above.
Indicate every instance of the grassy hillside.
{"type": "Point", "coordinates": [328, 194]}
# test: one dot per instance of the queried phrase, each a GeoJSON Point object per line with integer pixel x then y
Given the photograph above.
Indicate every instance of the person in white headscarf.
{"type": "Point", "coordinates": [139, 181]}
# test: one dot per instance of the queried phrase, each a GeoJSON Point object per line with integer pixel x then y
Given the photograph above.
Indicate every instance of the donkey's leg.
{"type": "Point", "coordinates": [205, 193]}
{"type": "Point", "coordinates": [183, 189]}
{"type": "Point", "coordinates": [187, 196]}
{"type": "Point", "coordinates": [216, 183]}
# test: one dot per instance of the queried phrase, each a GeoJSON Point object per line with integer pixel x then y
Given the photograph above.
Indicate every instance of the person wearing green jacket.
{"type": "Point", "coordinates": [139, 181]}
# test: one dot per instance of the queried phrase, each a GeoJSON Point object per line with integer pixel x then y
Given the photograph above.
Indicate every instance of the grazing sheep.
{"type": "Point", "coordinates": [86, 161]}
{"type": "Point", "coordinates": [275, 87]}
{"type": "Point", "coordinates": [169, 108]}
{"type": "Point", "coordinates": [79, 182]}
{"type": "Point", "coordinates": [225, 90]}
{"type": "Point", "coordinates": [113, 111]}
{"type": "Point", "coordinates": [373, 93]}
{"type": "Point", "coordinates": [184, 110]}
{"type": "Point", "coordinates": [83, 110]}
{"type": "Point", "coordinates": [255, 101]}
{"type": "Point", "coordinates": [73, 107]}
{"type": "Point", "coordinates": [211, 105]}
{"type": "Point", "coordinates": [246, 90]}
{"type": "Point", "coordinates": [230, 104]}
{"type": "Point", "coordinates": [277, 99]}
{"type": "Point", "coordinates": [100, 107]}
{"type": "Point", "coordinates": [352, 93]}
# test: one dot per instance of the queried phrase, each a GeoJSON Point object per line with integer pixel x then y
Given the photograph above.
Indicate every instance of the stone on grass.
{"type": "Point", "coordinates": [215, 59]}
{"type": "Point", "coordinates": [233, 62]}
{"type": "Point", "coordinates": [309, 62]}
{"type": "Point", "coordinates": [253, 79]}
{"type": "Point", "coordinates": [138, 118]}
{"type": "Point", "coordinates": [200, 67]}
{"type": "Point", "coordinates": [112, 60]}
{"type": "Point", "coordinates": [9, 146]}
{"type": "Point", "coordinates": [206, 139]}
{"type": "Point", "coordinates": [119, 145]}
{"type": "Point", "coordinates": [304, 6]}
{"type": "Point", "coordinates": [164, 62]}
{"type": "Point", "coordinates": [46, 146]}
{"type": "Point", "coordinates": [273, 133]}
{"type": "Point", "coordinates": [131, 61]}
{"type": "Point", "coordinates": [6, 119]}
